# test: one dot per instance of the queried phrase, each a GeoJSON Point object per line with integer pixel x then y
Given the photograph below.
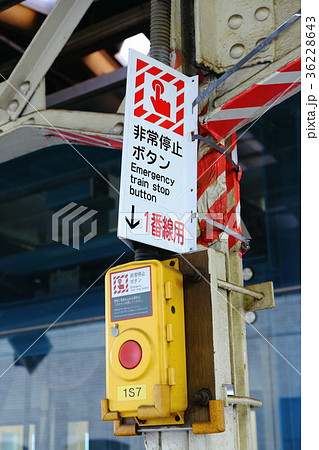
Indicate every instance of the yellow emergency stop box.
{"type": "Point", "coordinates": [145, 343]}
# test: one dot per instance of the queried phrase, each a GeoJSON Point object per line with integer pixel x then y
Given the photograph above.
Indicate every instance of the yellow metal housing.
{"type": "Point", "coordinates": [144, 304]}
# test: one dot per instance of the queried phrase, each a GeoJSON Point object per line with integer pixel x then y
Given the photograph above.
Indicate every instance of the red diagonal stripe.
{"type": "Point", "coordinates": [180, 99]}
{"type": "Point", "coordinates": [209, 168]}
{"type": "Point", "coordinates": [154, 71]}
{"type": "Point", "coordinates": [294, 66]}
{"type": "Point", "coordinates": [152, 118]}
{"type": "Point", "coordinates": [180, 115]}
{"type": "Point", "coordinates": [167, 77]}
{"type": "Point", "coordinates": [167, 124]}
{"type": "Point", "coordinates": [221, 128]}
{"type": "Point", "coordinates": [257, 95]}
{"type": "Point", "coordinates": [92, 140]}
{"type": "Point", "coordinates": [139, 96]}
{"type": "Point", "coordinates": [139, 79]}
{"type": "Point", "coordinates": [219, 207]}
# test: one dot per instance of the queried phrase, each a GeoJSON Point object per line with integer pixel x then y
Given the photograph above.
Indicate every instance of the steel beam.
{"type": "Point", "coordinates": [118, 24]}
{"type": "Point", "coordinates": [102, 247]}
{"type": "Point", "coordinates": [86, 89]}
{"type": "Point", "coordinates": [54, 181]}
{"type": "Point", "coordinates": [39, 56]}
{"type": "Point", "coordinates": [5, 4]}
{"type": "Point", "coordinates": [114, 27]}
{"type": "Point", "coordinates": [34, 131]}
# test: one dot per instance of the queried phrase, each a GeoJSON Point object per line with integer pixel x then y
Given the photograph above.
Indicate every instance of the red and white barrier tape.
{"type": "Point", "coordinates": [254, 102]}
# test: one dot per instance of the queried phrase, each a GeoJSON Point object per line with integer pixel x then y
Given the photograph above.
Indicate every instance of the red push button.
{"type": "Point", "coordinates": [130, 354]}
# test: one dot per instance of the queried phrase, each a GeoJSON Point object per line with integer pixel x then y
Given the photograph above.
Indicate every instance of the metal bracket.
{"type": "Point", "coordinates": [161, 407]}
{"type": "Point", "coordinates": [106, 414]}
{"type": "Point", "coordinates": [266, 302]}
{"type": "Point", "coordinates": [247, 401]}
{"type": "Point", "coordinates": [123, 429]}
{"type": "Point", "coordinates": [256, 297]}
{"type": "Point", "coordinates": [216, 422]}
{"type": "Point", "coordinates": [231, 399]}
{"type": "Point", "coordinates": [39, 56]}
{"type": "Point", "coordinates": [120, 428]}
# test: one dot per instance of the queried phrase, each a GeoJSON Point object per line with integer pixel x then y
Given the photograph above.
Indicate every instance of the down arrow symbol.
{"type": "Point", "coordinates": [131, 223]}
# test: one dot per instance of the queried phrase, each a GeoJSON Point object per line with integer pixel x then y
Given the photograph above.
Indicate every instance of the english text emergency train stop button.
{"type": "Point", "coordinates": [130, 354]}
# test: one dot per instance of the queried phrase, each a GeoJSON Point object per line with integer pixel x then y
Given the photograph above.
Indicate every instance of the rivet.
{"type": "Point", "coordinates": [25, 86]}
{"type": "Point", "coordinates": [237, 51]}
{"type": "Point", "coordinates": [250, 317]}
{"type": "Point", "coordinates": [262, 13]}
{"type": "Point", "coordinates": [115, 330]}
{"type": "Point", "coordinates": [235, 21]}
{"type": "Point", "coordinates": [248, 274]}
{"type": "Point", "coordinates": [118, 128]}
{"type": "Point", "coordinates": [13, 105]}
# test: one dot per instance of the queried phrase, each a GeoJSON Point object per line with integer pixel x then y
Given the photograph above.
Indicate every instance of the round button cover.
{"type": "Point", "coordinates": [143, 341]}
{"type": "Point", "coordinates": [130, 354]}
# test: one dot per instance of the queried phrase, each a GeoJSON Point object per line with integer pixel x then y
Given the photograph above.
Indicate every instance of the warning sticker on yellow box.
{"type": "Point", "coordinates": [131, 295]}
{"type": "Point", "coordinates": [131, 392]}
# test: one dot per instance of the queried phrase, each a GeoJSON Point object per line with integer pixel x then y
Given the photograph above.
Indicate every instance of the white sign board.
{"type": "Point", "coordinates": [159, 161]}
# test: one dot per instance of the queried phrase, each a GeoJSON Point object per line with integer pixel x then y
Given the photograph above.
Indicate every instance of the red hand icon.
{"type": "Point", "coordinates": [121, 285]}
{"type": "Point", "coordinates": [160, 105]}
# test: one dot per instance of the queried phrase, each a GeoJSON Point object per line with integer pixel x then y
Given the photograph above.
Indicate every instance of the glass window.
{"type": "Point", "coordinates": [52, 382]}
{"type": "Point", "coordinates": [274, 373]}
{"type": "Point", "coordinates": [78, 435]}
{"type": "Point", "coordinates": [54, 392]}
{"type": "Point", "coordinates": [269, 154]}
{"type": "Point", "coordinates": [11, 437]}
